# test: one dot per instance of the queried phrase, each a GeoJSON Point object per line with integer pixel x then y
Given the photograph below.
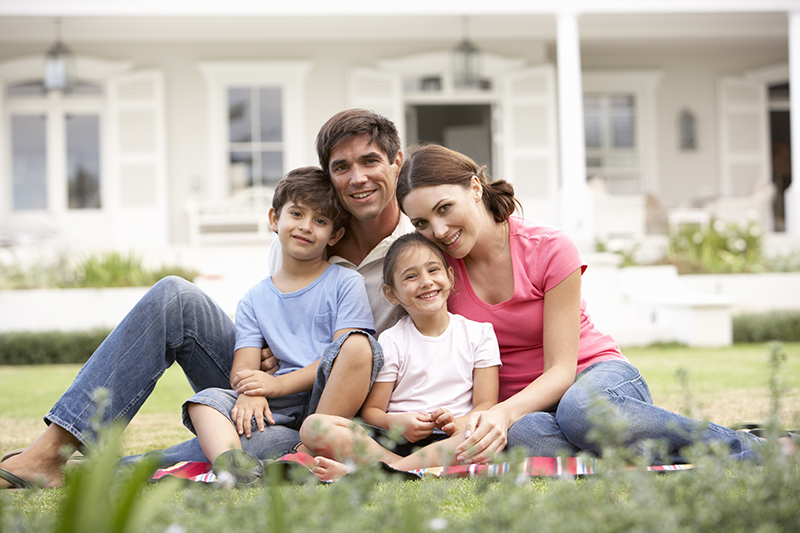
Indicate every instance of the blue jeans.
{"type": "Point", "coordinates": [565, 431]}
{"type": "Point", "coordinates": [174, 321]}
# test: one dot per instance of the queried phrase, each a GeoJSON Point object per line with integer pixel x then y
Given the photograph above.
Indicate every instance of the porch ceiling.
{"type": "Point", "coordinates": [599, 27]}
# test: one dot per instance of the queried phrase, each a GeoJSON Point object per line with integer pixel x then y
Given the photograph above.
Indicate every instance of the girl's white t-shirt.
{"type": "Point", "coordinates": [431, 372]}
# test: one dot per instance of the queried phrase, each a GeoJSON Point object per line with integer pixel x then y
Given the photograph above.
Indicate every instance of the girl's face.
{"type": "Point", "coordinates": [448, 215]}
{"type": "Point", "coordinates": [421, 282]}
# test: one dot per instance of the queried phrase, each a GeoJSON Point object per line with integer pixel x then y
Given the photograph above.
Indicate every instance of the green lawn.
{"type": "Point", "coordinates": [716, 496]}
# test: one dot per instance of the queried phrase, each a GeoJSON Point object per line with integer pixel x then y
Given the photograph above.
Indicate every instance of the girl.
{"type": "Point", "coordinates": [525, 279]}
{"type": "Point", "coordinates": [438, 367]}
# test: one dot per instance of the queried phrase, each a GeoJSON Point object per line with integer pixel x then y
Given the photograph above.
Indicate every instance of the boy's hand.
{"type": "Point", "coordinates": [269, 363]}
{"type": "Point", "coordinates": [444, 420]}
{"type": "Point", "coordinates": [256, 383]}
{"type": "Point", "coordinates": [248, 407]}
{"type": "Point", "coordinates": [414, 426]}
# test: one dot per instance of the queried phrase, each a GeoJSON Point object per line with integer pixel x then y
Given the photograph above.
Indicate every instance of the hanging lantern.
{"type": "Point", "coordinates": [466, 70]}
{"type": "Point", "coordinates": [58, 65]}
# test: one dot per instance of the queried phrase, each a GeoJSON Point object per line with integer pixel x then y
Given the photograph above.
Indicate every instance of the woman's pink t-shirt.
{"type": "Point", "coordinates": [542, 257]}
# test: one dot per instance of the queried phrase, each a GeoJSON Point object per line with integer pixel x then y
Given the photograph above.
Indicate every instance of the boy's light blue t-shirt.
{"type": "Point", "coordinates": [299, 325]}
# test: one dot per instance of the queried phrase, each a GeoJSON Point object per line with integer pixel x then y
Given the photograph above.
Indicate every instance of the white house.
{"type": "Point", "coordinates": [677, 109]}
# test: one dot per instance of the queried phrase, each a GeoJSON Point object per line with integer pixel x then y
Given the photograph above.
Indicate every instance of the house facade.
{"type": "Point", "coordinates": [612, 119]}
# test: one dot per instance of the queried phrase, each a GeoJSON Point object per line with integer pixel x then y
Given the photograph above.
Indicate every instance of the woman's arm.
{"type": "Point", "coordinates": [561, 329]}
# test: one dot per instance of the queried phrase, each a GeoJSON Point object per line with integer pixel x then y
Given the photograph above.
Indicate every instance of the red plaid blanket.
{"type": "Point", "coordinates": [532, 467]}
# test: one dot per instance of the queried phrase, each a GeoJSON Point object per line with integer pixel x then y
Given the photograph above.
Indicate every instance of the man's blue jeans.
{"type": "Point", "coordinates": [617, 389]}
{"type": "Point", "coordinates": [173, 322]}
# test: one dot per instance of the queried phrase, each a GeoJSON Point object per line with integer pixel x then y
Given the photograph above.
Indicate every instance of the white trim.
{"type": "Point", "coordinates": [643, 84]}
{"type": "Point", "coordinates": [219, 75]}
{"type": "Point", "coordinates": [87, 68]}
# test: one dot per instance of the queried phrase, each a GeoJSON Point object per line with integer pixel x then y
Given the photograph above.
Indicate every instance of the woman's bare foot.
{"type": "Point", "coordinates": [329, 470]}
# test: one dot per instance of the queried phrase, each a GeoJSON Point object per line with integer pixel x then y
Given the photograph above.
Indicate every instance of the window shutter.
{"type": "Point", "coordinates": [744, 158]}
{"type": "Point", "coordinates": [137, 155]}
{"type": "Point", "coordinates": [529, 138]}
{"type": "Point", "coordinates": [378, 91]}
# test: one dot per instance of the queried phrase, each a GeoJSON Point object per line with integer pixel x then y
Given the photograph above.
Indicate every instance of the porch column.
{"type": "Point", "coordinates": [792, 195]}
{"type": "Point", "coordinates": [575, 212]}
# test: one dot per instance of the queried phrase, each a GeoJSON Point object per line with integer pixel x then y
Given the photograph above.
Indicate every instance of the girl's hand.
{"type": "Point", "coordinates": [486, 436]}
{"type": "Point", "coordinates": [414, 426]}
{"type": "Point", "coordinates": [444, 420]}
{"type": "Point", "coordinates": [246, 408]}
{"type": "Point", "coordinates": [256, 383]}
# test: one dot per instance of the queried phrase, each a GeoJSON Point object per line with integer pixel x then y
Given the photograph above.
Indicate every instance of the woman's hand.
{"type": "Point", "coordinates": [413, 426]}
{"type": "Point", "coordinates": [486, 436]}
{"type": "Point", "coordinates": [246, 408]}
{"type": "Point", "coordinates": [444, 420]}
{"type": "Point", "coordinates": [256, 383]}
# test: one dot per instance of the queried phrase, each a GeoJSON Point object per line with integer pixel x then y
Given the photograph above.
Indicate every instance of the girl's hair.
{"type": "Point", "coordinates": [428, 165]}
{"type": "Point", "coordinates": [404, 242]}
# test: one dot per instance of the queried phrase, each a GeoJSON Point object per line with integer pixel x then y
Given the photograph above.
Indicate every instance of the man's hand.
{"type": "Point", "coordinates": [414, 426]}
{"type": "Point", "coordinates": [444, 420]}
{"type": "Point", "coordinates": [256, 383]}
{"type": "Point", "coordinates": [269, 363]}
{"type": "Point", "coordinates": [246, 408]}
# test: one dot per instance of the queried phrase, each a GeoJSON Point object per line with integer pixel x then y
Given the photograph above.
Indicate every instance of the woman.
{"type": "Point", "coordinates": [525, 279]}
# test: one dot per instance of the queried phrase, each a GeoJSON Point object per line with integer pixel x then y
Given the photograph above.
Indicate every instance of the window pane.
{"type": "Point", "coordinates": [271, 114]}
{"type": "Point", "coordinates": [83, 161]}
{"type": "Point", "coordinates": [239, 114]}
{"type": "Point", "coordinates": [593, 121]}
{"type": "Point", "coordinates": [240, 170]}
{"type": "Point", "coordinates": [622, 123]}
{"type": "Point", "coordinates": [29, 161]}
{"type": "Point", "coordinates": [271, 168]}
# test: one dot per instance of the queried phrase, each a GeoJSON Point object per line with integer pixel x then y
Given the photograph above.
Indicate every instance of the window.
{"type": "Point", "coordinates": [620, 126]}
{"type": "Point", "coordinates": [256, 123]}
{"type": "Point", "coordinates": [610, 129]}
{"type": "Point", "coordinates": [55, 151]}
{"type": "Point", "coordinates": [255, 134]}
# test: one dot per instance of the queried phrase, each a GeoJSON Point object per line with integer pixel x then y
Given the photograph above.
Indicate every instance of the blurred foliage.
{"type": "Point", "coordinates": [49, 347]}
{"type": "Point", "coordinates": [783, 326]}
{"type": "Point", "coordinates": [103, 269]}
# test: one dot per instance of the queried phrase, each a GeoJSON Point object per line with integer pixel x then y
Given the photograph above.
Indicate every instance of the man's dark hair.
{"type": "Point", "coordinates": [313, 188]}
{"type": "Point", "coordinates": [351, 123]}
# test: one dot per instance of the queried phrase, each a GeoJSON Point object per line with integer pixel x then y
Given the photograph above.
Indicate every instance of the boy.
{"type": "Point", "coordinates": [307, 307]}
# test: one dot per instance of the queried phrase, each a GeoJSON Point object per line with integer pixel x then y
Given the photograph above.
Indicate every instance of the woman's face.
{"type": "Point", "coordinates": [448, 215]}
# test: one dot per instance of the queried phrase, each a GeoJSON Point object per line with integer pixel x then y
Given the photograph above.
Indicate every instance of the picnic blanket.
{"type": "Point", "coordinates": [531, 467]}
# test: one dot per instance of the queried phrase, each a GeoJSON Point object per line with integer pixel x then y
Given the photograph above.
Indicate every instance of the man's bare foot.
{"type": "Point", "coordinates": [39, 471]}
{"type": "Point", "coordinates": [329, 470]}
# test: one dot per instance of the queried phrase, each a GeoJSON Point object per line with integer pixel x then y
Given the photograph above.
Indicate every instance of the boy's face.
{"type": "Point", "coordinates": [364, 177]}
{"type": "Point", "coordinates": [303, 232]}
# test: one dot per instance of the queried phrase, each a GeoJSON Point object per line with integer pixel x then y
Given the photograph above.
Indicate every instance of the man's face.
{"type": "Point", "coordinates": [363, 177]}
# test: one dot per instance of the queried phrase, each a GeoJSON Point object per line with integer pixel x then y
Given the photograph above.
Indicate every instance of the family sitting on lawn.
{"type": "Point", "coordinates": [502, 279]}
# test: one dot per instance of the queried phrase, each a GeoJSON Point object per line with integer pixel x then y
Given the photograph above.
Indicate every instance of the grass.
{"type": "Point", "coordinates": [717, 496]}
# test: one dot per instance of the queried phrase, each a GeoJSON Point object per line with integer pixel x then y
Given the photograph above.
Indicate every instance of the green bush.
{"type": "Point", "coordinates": [721, 248]}
{"type": "Point", "coordinates": [51, 347]}
{"type": "Point", "coordinates": [105, 269]}
{"type": "Point", "coordinates": [783, 326]}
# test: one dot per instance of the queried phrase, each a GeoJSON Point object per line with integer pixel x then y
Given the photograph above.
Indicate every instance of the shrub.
{"type": "Point", "coordinates": [51, 347]}
{"type": "Point", "coordinates": [721, 248]}
{"type": "Point", "coordinates": [105, 269]}
{"type": "Point", "coordinates": [783, 326]}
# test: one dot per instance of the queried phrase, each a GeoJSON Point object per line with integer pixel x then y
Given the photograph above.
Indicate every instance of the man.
{"type": "Point", "coordinates": [176, 322]}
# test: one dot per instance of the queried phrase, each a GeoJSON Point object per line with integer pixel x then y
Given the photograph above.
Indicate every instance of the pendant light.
{"type": "Point", "coordinates": [466, 70]}
{"type": "Point", "coordinates": [58, 65]}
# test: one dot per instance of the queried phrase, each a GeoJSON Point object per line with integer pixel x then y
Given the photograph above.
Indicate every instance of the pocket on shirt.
{"type": "Point", "coordinates": [323, 328]}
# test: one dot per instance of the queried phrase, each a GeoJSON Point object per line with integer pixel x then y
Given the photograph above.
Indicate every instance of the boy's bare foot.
{"type": "Point", "coordinates": [326, 469]}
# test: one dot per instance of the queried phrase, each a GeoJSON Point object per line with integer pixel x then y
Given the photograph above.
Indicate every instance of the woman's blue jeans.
{"type": "Point", "coordinates": [613, 398]}
{"type": "Point", "coordinates": [173, 322]}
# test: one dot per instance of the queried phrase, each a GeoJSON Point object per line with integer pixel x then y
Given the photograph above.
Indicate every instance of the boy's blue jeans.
{"type": "Point", "coordinates": [616, 389]}
{"type": "Point", "coordinates": [173, 322]}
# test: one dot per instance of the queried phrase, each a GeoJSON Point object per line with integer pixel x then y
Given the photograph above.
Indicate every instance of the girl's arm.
{"type": "Point", "coordinates": [488, 429]}
{"type": "Point", "coordinates": [485, 386]}
{"type": "Point", "coordinates": [413, 426]}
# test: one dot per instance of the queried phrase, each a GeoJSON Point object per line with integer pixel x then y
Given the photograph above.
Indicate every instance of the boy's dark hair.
{"type": "Point", "coordinates": [403, 242]}
{"type": "Point", "coordinates": [312, 187]}
{"type": "Point", "coordinates": [350, 123]}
